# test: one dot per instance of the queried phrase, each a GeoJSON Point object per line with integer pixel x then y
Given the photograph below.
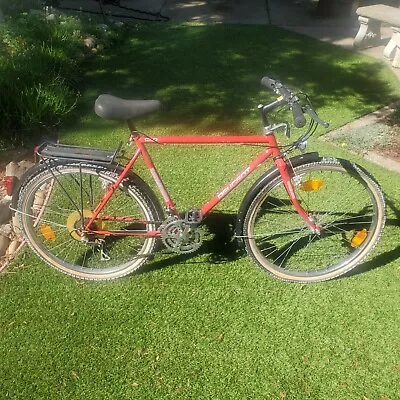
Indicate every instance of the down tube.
{"type": "Point", "coordinates": [236, 181]}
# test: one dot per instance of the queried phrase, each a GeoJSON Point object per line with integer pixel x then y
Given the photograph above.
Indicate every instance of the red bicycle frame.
{"type": "Point", "coordinates": [271, 150]}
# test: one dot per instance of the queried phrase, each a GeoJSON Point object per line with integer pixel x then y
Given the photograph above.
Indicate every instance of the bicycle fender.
{"type": "Point", "coordinates": [262, 181]}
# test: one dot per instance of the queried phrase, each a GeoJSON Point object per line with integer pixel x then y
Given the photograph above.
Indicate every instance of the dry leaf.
{"type": "Point", "coordinates": [74, 374]}
{"type": "Point", "coordinates": [282, 395]}
{"type": "Point", "coordinates": [307, 391]}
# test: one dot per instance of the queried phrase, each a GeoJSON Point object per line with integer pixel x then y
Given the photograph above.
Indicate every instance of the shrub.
{"type": "Point", "coordinates": [39, 73]}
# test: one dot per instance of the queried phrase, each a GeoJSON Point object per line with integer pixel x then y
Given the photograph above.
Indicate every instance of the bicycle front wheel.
{"type": "Point", "coordinates": [341, 198]}
{"type": "Point", "coordinates": [57, 201]}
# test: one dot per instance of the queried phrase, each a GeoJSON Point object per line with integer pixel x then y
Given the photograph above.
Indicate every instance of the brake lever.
{"type": "Point", "coordinates": [308, 110]}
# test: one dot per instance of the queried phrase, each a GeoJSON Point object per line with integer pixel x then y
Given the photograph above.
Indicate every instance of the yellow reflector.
{"type": "Point", "coordinates": [47, 232]}
{"type": "Point", "coordinates": [311, 185]}
{"type": "Point", "coordinates": [358, 238]}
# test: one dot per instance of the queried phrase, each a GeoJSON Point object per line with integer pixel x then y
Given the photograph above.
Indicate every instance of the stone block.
{"type": "Point", "coordinates": [4, 242]}
{"type": "Point", "coordinates": [5, 212]}
{"type": "Point", "coordinates": [13, 247]}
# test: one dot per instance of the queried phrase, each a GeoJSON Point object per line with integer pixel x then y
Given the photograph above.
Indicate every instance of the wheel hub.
{"type": "Point", "coordinates": [75, 225]}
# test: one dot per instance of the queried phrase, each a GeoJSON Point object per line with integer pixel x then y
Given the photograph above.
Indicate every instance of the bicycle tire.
{"type": "Point", "coordinates": [345, 201]}
{"type": "Point", "coordinates": [49, 210]}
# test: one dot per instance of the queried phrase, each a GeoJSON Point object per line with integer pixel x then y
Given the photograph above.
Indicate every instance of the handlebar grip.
{"type": "Point", "coordinates": [298, 117]}
{"type": "Point", "coordinates": [288, 96]}
{"type": "Point", "coordinates": [276, 86]}
{"type": "Point", "coordinates": [268, 82]}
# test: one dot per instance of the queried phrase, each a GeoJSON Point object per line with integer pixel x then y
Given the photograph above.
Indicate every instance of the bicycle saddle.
{"type": "Point", "coordinates": [112, 107]}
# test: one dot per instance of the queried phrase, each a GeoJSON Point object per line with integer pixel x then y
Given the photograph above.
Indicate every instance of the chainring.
{"type": "Point", "coordinates": [180, 236]}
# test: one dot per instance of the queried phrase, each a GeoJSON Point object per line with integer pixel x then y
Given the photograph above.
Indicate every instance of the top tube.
{"type": "Point", "coordinates": [203, 139]}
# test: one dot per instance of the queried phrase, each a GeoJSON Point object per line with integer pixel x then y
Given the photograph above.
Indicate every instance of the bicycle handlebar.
{"type": "Point", "coordinates": [293, 101]}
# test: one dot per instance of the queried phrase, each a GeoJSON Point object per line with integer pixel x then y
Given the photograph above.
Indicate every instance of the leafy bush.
{"type": "Point", "coordinates": [39, 73]}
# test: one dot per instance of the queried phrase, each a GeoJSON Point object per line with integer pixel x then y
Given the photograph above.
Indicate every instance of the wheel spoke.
{"type": "Point", "coordinates": [57, 235]}
{"type": "Point", "coordinates": [345, 204]}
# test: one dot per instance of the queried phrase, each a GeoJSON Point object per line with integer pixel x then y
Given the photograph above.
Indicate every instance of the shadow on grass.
{"type": "Point", "coordinates": [208, 77]}
{"type": "Point", "coordinates": [219, 245]}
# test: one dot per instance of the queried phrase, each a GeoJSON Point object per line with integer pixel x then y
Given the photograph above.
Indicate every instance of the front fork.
{"type": "Point", "coordinates": [286, 172]}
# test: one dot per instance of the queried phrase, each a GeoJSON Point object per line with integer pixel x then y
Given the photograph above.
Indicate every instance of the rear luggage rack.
{"type": "Point", "coordinates": [76, 153]}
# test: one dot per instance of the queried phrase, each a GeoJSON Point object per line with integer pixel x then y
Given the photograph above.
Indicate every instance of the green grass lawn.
{"type": "Point", "coordinates": [212, 325]}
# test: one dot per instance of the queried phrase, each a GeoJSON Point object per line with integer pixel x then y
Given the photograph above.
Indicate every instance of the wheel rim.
{"type": "Point", "coordinates": [343, 206]}
{"type": "Point", "coordinates": [50, 227]}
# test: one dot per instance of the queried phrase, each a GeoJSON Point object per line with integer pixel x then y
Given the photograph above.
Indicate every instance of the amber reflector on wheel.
{"type": "Point", "coordinates": [47, 232]}
{"type": "Point", "coordinates": [311, 185]}
{"type": "Point", "coordinates": [358, 238]}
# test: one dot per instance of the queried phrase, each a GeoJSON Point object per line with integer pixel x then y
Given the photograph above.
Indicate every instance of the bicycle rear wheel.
{"type": "Point", "coordinates": [343, 200]}
{"type": "Point", "coordinates": [55, 203]}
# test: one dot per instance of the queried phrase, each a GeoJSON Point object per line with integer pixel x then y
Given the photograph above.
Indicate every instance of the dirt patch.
{"type": "Point", "coordinates": [378, 133]}
{"type": "Point", "coordinates": [391, 149]}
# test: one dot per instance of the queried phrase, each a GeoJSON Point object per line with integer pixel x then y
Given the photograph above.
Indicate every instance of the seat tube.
{"type": "Point", "coordinates": [156, 176]}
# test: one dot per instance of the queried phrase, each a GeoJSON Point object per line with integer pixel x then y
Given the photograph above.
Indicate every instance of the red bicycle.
{"type": "Point", "coordinates": [308, 219]}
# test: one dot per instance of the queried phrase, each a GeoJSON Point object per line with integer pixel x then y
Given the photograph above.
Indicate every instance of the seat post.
{"type": "Point", "coordinates": [134, 133]}
{"type": "Point", "coordinates": [131, 126]}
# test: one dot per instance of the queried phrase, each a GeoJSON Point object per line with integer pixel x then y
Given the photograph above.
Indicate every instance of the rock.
{"type": "Point", "coordinates": [25, 165]}
{"type": "Point", "coordinates": [40, 195]}
{"type": "Point", "coordinates": [5, 212]}
{"type": "Point", "coordinates": [16, 227]}
{"type": "Point", "coordinates": [89, 42]}
{"type": "Point", "coordinates": [11, 168]}
{"type": "Point", "coordinates": [14, 169]}
{"type": "Point", "coordinates": [6, 230]}
{"type": "Point", "coordinates": [4, 242]}
{"type": "Point", "coordinates": [13, 247]}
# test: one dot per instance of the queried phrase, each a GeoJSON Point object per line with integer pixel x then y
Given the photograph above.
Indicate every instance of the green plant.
{"type": "Point", "coordinates": [40, 76]}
